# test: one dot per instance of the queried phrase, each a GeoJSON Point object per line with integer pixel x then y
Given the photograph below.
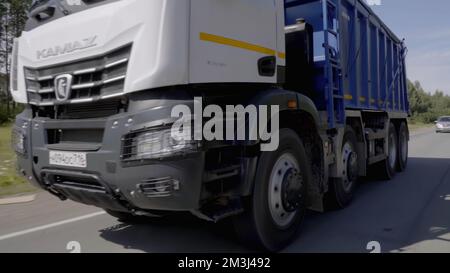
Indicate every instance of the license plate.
{"type": "Point", "coordinates": [68, 159]}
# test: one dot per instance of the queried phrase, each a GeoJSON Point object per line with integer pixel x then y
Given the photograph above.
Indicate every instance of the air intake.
{"type": "Point", "coordinates": [159, 187]}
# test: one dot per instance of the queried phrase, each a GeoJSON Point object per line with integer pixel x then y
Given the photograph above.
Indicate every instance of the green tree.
{"type": "Point", "coordinates": [13, 16]}
{"type": "Point", "coordinates": [427, 107]}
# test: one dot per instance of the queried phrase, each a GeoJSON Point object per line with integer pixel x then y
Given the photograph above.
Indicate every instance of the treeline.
{"type": "Point", "coordinates": [426, 107]}
{"type": "Point", "coordinates": [13, 15]}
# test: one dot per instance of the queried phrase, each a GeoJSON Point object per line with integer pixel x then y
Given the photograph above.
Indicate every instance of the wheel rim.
{"type": "Point", "coordinates": [350, 163]}
{"type": "Point", "coordinates": [392, 150]}
{"type": "Point", "coordinates": [282, 212]}
{"type": "Point", "coordinates": [404, 145]}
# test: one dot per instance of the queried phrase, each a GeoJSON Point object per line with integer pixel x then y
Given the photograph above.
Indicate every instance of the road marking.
{"type": "Point", "coordinates": [31, 230]}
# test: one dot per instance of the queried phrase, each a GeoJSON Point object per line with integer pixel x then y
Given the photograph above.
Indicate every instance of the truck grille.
{"type": "Point", "coordinates": [102, 109]}
{"type": "Point", "coordinates": [96, 78]}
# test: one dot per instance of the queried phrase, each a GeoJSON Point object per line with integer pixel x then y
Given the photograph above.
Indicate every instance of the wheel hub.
{"type": "Point", "coordinates": [352, 166]}
{"type": "Point", "coordinates": [291, 188]}
{"type": "Point", "coordinates": [285, 190]}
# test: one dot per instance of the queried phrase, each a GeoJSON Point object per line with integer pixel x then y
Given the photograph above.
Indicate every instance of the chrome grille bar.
{"type": "Point", "coordinates": [94, 79]}
{"type": "Point", "coordinates": [46, 90]}
{"type": "Point", "coordinates": [124, 60]}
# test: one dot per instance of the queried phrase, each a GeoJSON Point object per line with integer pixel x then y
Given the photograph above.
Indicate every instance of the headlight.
{"type": "Point", "coordinates": [14, 65]}
{"type": "Point", "coordinates": [440, 126]}
{"type": "Point", "coordinates": [157, 144]}
{"type": "Point", "coordinates": [18, 142]}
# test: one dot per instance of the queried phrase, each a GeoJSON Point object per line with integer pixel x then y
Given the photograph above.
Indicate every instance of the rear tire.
{"type": "Point", "coordinates": [342, 189]}
{"type": "Point", "coordinates": [402, 147]}
{"type": "Point", "coordinates": [277, 207]}
{"type": "Point", "coordinates": [386, 169]}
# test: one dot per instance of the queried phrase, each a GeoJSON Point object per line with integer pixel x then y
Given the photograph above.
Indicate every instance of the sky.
{"type": "Point", "coordinates": [425, 24]}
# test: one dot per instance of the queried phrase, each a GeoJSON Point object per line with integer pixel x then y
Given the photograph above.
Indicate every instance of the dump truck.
{"type": "Point", "coordinates": [100, 81]}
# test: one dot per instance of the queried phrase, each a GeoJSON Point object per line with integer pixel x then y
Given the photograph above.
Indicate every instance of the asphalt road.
{"type": "Point", "coordinates": [408, 214]}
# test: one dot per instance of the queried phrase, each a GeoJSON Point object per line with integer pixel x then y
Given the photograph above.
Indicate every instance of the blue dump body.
{"type": "Point", "coordinates": [359, 62]}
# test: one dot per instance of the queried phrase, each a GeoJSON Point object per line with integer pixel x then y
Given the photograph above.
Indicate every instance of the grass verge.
{"type": "Point", "coordinates": [11, 183]}
{"type": "Point", "coordinates": [416, 125]}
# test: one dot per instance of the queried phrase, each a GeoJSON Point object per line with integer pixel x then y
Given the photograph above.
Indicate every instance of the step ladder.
{"type": "Point", "coordinates": [334, 93]}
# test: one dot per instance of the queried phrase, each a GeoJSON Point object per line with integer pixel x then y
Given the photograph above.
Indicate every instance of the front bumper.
{"type": "Point", "coordinates": [443, 130]}
{"type": "Point", "coordinates": [117, 185]}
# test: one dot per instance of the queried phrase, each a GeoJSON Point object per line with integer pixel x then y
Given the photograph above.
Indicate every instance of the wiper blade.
{"type": "Point", "coordinates": [37, 3]}
{"type": "Point", "coordinates": [57, 3]}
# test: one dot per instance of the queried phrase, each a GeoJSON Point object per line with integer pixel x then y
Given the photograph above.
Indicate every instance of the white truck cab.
{"type": "Point", "coordinates": [173, 42]}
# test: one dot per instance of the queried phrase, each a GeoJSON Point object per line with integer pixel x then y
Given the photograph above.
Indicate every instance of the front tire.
{"type": "Point", "coordinates": [277, 207]}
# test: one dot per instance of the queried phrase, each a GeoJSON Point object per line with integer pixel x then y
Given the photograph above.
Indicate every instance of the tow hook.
{"type": "Point", "coordinates": [56, 193]}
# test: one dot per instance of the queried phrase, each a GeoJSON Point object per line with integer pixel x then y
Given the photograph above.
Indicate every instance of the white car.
{"type": "Point", "coordinates": [443, 125]}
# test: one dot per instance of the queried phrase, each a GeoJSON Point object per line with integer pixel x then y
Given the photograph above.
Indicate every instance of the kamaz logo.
{"type": "Point", "coordinates": [63, 86]}
{"type": "Point", "coordinates": [67, 48]}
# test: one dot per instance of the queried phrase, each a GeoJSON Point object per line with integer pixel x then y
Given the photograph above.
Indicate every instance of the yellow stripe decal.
{"type": "Point", "coordinates": [281, 55]}
{"type": "Point", "coordinates": [239, 44]}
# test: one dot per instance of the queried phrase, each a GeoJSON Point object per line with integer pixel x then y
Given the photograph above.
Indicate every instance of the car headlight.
{"type": "Point", "coordinates": [440, 126]}
{"type": "Point", "coordinates": [18, 142]}
{"type": "Point", "coordinates": [157, 144]}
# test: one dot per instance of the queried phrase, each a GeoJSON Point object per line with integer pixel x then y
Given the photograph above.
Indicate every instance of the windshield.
{"type": "Point", "coordinates": [37, 3]}
{"type": "Point", "coordinates": [45, 11]}
{"type": "Point", "coordinates": [444, 119]}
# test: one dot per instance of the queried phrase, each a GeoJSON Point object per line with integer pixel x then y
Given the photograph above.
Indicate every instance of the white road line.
{"type": "Point", "coordinates": [31, 230]}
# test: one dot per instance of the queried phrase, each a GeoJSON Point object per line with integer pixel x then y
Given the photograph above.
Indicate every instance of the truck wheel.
{"type": "Point", "coordinates": [342, 189]}
{"type": "Point", "coordinates": [402, 147]}
{"type": "Point", "coordinates": [277, 207]}
{"type": "Point", "coordinates": [386, 169]}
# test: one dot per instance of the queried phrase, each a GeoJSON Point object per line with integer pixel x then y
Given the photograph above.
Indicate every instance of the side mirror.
{"type": "Point", "coordinates": [435, 121]}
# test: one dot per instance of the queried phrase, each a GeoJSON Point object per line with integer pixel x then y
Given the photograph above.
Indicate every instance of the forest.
{"type": "Point", "coordinates": [425, 106]}
{"type": "Point", "coordinates": [13, 15]}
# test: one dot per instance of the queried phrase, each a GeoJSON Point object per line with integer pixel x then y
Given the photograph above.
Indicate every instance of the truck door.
{"type": "Point", "coordinates": [230, 38]}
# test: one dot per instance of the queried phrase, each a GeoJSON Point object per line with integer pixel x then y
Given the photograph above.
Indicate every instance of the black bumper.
{"type": "Point", "coordinates": [106, 181]}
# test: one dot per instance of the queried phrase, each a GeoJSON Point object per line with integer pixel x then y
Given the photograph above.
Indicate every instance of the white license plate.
{"type": "Point", "coordinates": [68, 159]}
